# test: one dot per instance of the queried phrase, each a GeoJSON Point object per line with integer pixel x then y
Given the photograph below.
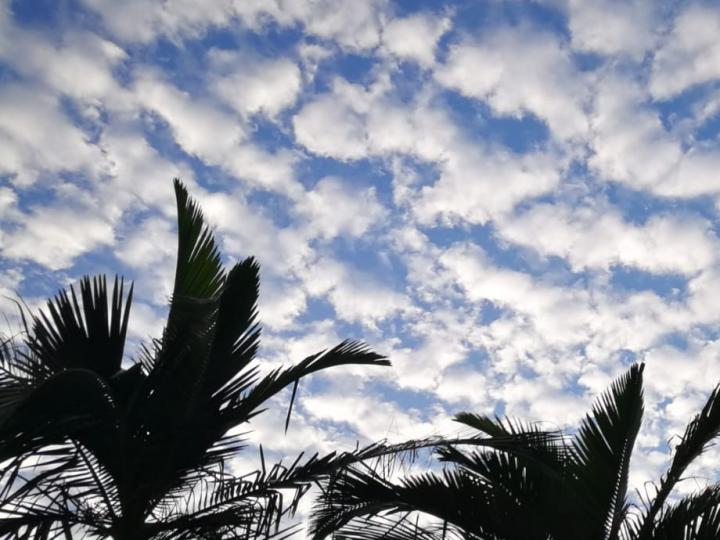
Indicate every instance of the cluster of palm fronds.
{"type": "Point", "coordinates": [93, 444]}
{"type": "Point", "coordinates": [532, 484]}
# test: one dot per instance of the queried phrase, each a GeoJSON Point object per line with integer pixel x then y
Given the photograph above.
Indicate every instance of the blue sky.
{"type": "Point", "coordinates": [512, 200]}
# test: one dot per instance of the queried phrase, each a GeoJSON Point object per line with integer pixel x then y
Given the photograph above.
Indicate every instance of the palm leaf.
{"type": "Point", "coordinates": [385, 527]}
{"type": "Point", "coordinates": [236, 336]}
{"type": "Point", "coordinates": [453, 496]}
{"type": "Point", "coordinates": [199, 272]}
{"type": "Point", "coordinates": [73, 403]}
{"type": "Point", "coordinates": [602, 448]}
{"type": "Point", "coordinates": [700, 431]}
{"type": "Point", "coordinates": [696, 517]}
{"type": "Point", "coordinates": [242, 407]}
{"type": "Point", "coordinates": [86, 334]}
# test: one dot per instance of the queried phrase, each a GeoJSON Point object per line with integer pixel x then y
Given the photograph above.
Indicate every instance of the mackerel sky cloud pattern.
{"type": "Point", "coordinates": [512, 200]}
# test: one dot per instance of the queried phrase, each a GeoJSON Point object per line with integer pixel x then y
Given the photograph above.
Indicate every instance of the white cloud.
{"type": "Point", "coordinates": [36, 137]}
{"type": "Point", "coordinates": [598, 237]}
{"type": "Point", "coordinates": [549, 327]}
{"type": "Point", "coordinates": [632, 146]}
{"type": "Point", "coordinates": [200, 128]}
{"type": "Point", "coordinates": [354, 25]}
{"type": "Point", "coordinates": [145, 323]}
{"type": "Point", "coordinates": [311, 56]}
{"type": "Point", "coordinates": [334, 207]}
{"type": "Point", "coordinates": [281, 303]}
{"type": "Point", "coordinates": [136, 20]}
{"type": "Point", "coordinates": [77, 64]}
{"type": "Point", "coordinates": [252, 85]}
{"type": "Point", "coordinates": [672, 373]}
{"type": "Point", "coordinates": [53, 237]}
{"type": "Point", "coordinates": [138, 174]}
{"type": "Point", "coordinates": [541, 399]}
{"type": "Point", "coordinates": [356, 296]}
{"type": "Point", "coordinates": [151, 242]}
{"type": "Point", "coordinates": [247, 230]}
{"type": "Point", "coordinates": [613, 26]}
{"type": "Point", "coordinates": [519, 71]}
{"type": "Point", "coordinates": [329, 128]}
{"type": "Point", "coordinates": [371, 418]}
{"type": "Point", "coordinates": [415, 37]}
{"type": "Point", "coordinates": [354, 122]}
{"type": "Point", "coordinates": [691, 53]}
{"type": "Point", "coordinates": [204, 130]}
{"type": "Point", "coordinates": [466, 387]}
{"type": "Point", "coordinates": [442, 344]}
{"type": "Point", "coordinates": [10, 280]}
{"type": "Point", "coordinates": [479, 184]}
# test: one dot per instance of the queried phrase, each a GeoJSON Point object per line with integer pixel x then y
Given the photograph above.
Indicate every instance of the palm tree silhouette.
{"type": "Point", "coordinates": [92, 447]}
{"type": "Point", "coordinates": [517, 482]}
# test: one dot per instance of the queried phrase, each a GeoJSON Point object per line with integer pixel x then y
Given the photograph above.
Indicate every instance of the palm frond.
{"type": "Point", "coordinates": [242, 407]}
{"type": "Point", "coordinates": [602, 449]}
{"type": "Point", "coordinates": [403, 527]}
{"type": "Point", "coordinates": [452, 496]}
{"type": "Point", "coordinates": [695, 517]}
{"type": "Point", "coordinates": [199, 272]}
{"type": "Point", "coordinates": [236, 336]}
{"type": "Point", "coordinates": [86, 334]}
{"type": "Point", "coordinates": [700, 431]}
{"type": "Point", "coordinates": [72, 403]}
{"type": "Point", "coordinates": [258, 499]}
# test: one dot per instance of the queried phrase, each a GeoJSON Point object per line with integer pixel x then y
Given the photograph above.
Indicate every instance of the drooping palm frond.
{"type": "Point", "coordinates": [72, 403]}
{"type": "Point", "coordinates": [54, 490]}
{"type": "Point", "coordinates": [259, 498]}
{"type": "Point", "coordinates": [544, 451]}
{"type": "Point", "coordinates": [695, 517]}
{"type": "Point", "coordinates": [359, 492]}
{"type": "Point", "coordinates": [244, 405]}
{"type": "Point", "coordinates": [406, 526]}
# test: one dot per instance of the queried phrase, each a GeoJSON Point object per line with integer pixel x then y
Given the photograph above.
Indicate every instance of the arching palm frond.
{"type": "Point", "coordinates": [700, 431]}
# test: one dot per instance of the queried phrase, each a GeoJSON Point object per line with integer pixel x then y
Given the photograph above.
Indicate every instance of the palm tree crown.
{"type": "Point", "coordinates": [514, 481]}
{"type": "Point", "coordinates": [93, 446]}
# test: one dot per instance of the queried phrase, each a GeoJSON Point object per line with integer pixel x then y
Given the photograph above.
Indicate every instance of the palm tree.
{"type": "Point", "coordinates": [517, 482]}
{"type": "Point", "coordinates": [92, 446]}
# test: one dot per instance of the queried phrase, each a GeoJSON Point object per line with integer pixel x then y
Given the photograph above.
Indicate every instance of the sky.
{"type": "Point", "coordinates": [513, 201]}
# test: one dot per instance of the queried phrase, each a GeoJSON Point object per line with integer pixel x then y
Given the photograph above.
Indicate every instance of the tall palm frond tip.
{"type": "Point", "coordinates": [518, 482]}
{"type": "Point", "coordinates": [93, 444]}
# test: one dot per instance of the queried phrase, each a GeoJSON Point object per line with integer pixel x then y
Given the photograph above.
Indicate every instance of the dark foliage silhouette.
{"type": "Point", "coordinates": [533, 484]}
{"type": "Point", "coordinates": [90, 447]}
